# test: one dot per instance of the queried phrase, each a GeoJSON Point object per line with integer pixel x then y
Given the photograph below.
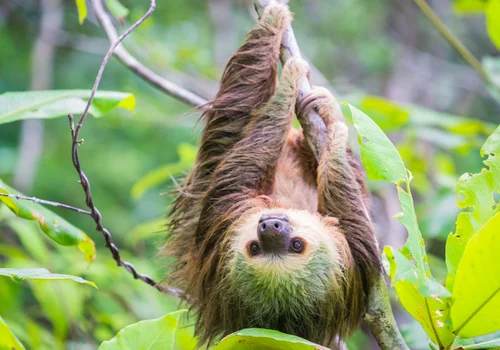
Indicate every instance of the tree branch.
{"type": "Point", "coordinates": [452, 39]}
{"type": "Point", "coordinates": [380, 319]}
{"type": "Point", "coordinates": [43, 201]}
{"type": "Point", "coordinates": [84, 181]}
{"type": "Point", "coordinates": [138, 68]}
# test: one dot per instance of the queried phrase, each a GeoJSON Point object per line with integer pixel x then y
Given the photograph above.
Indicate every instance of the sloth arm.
{"type": "Point", "coordinates": [341, 187]}
{"type": "Point", "coordinates": [248, 82]}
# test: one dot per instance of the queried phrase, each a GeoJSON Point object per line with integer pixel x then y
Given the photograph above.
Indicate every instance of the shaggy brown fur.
{"type": "Point", "coordinates": [251, 161]}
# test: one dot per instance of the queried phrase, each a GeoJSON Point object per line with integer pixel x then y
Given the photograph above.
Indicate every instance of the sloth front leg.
{"type": "Point", "coordinates": [340, 194]}
{"type": "Point", "coordinates": [340, 178]}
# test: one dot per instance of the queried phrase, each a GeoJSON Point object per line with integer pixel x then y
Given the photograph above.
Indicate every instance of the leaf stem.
{"type": "Point", "coordinates": [445, 31]}
{"type": "Point", "coordinates": [432, 324]}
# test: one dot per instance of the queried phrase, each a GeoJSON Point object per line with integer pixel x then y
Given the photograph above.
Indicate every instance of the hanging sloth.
{"type": "Point", "coordinates": [262, 234]}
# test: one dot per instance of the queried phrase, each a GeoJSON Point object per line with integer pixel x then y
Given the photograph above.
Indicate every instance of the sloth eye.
{"type": "Point", "coordinates": [254, 248]}
{"type": "Point", "coordinates": [296, 245]}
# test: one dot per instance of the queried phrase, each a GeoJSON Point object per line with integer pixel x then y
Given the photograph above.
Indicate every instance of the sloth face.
{"type": "Point", "coordinates": [286, 264]}
{"type": "Point", "coordinates": [275, 239]}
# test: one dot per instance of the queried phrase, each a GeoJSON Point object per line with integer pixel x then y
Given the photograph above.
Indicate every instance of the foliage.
{"type": "Point", "coordinates": [82, 10]}
{"type": "Point", "coordinates": [140, 155]}
{"type": "Point", "coordinates": [7, 339]}
{"type": "Point", "coordinates": [57, 103]}
{"type": "Point", "coordinates": [173, 332]}
{"type": "Point", "coordinates": [40, 274]}
{"type": "Point", "coordinates": [476, 295]}
{"type": "Point", "coordinates": [168, 332]}
{"type": "Point", "coordinates": [53, 225]}
{"type": "Point", "coordinates": [491, 9]}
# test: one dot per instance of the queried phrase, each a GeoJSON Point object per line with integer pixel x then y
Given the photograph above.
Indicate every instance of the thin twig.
{"type": "Point", "coordinates": [114, 45]}
{"type": "Point", "coordinates": [452, 39]}
{"type": "Point", "coordinates": [138, 68]}
{"type": "Point", "coordinates": [43, 201]}
{"type": "Point", "coordinates": [84, 181]}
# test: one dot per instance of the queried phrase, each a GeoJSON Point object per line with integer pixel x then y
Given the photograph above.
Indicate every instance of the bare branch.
{"type": "Point", "coordinates": [43, 201]}
{"type": "Point", "coordinates": [380, 319]}
{"type": "Point", "coordinates": [84, 181]}
{"type": "Point", "coordinates": [138, 68]}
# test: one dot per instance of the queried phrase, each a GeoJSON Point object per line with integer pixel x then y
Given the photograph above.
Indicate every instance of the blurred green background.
{"type": "Point", "coordinates": [383, 56]}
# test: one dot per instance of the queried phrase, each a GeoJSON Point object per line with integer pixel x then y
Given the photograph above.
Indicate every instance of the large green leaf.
{"type": "Point", "coordinates": [57, 103]}
{"type": "Point", "coordinates": [168, 332]}
{"type": "Point", "coordinates": [187, 155]}
{"type": "Point", "coordinates": [492, 12]}
{"type": "Point", "coordinates": [265, 339]}
{"type": "Point", "coordinates": [8, 341]}
{"type": "Point", "coordinates": [477, 284]}
{"type": "Point", "coordinates": [53, 225]}
{"type": "Point", "coordinates": [383, 162]}
{"type": "Point", "coordinates": [425, 299]}
{"type": "Point", "coordinates": [476, 198]}
{"type": "Point", "coordinates": [40, 274]}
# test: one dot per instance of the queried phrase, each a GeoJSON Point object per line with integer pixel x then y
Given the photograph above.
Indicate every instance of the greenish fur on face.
{"type": "Point", "coordinates": [290, 300]}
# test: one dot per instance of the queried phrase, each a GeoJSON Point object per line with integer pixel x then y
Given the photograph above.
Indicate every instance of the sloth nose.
{"type": "Point", "coordinates": [273, 233]}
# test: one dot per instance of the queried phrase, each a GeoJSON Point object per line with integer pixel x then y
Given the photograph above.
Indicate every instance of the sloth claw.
{"type": "Point", "coordinates": [322, 101]}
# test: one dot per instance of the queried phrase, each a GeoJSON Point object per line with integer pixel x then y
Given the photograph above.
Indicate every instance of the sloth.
{"type": "Point", "coordinates": [262, 234]}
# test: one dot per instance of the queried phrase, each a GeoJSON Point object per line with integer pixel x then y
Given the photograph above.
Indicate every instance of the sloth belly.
{"type": "Point", "coordinates": [294, 181]}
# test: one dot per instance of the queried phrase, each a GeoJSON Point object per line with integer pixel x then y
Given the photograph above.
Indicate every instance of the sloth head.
{"type": "Point", "coordinates": [288, 271]}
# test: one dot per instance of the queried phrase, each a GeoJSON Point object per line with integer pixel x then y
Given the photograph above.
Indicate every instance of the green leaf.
{"type": "Point", "coordinates": [386, 114]}
{"type": "Point", "coordinates": [490, 344]}
{"type": "Point", "coordinates": [117, 9]}
{"type": "Point", "coordinates": [7, 339]}
{"type": "Point", "coordinates": [383, 162]}
{"type": "Point", "coordinates": [187, 155]}
{"type": "Point", "coordinates": [465, 6]}
{"type": "Point", "coordinates": [62, 303]}
{"type": "Point", "coordinates": [380, 158]}
{"type": "Point", "coordinates": [53, 225]}
{"type": "Point", "coordinates": [57, 103]}
{"type": "Point", "coordinates": [476, 198]}
{"type": "Point", "coordinates": [425, 299]}
{"type": "Point", "coordinates": [265, 339]}
{"type": "Point", "coordinates": [19, 275]}
{"type": "Point", "coordinates": [167, 332]}
{"type": "Point", "coordinates": [82, 10]}
{"type": "Point", "coordinates": [477, 284]}
{"type": "Point", "coordinates": [492, 12]}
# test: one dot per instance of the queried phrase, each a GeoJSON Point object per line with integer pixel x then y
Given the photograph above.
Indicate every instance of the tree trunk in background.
{"type": "Point", "coordinates": [32, 131]}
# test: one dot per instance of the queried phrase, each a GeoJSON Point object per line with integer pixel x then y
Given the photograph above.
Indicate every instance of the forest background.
{"type": "Point", "coordinates": [382, 56]}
